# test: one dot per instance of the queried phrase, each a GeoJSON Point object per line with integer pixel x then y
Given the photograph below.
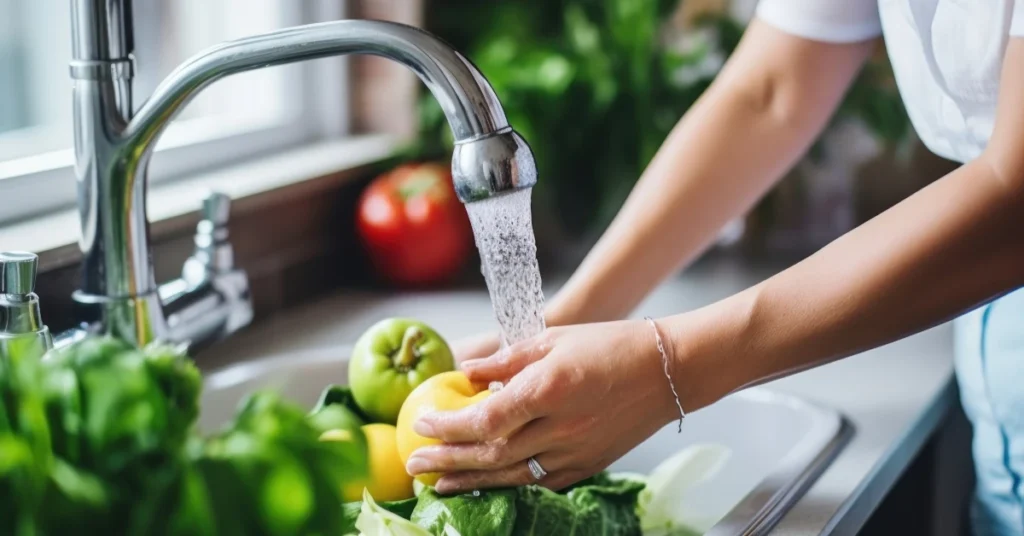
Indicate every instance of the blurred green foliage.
{"type": "Point", "coordinates": [592, 87]}
{"type": "Point", "coordinates": [99, 438]}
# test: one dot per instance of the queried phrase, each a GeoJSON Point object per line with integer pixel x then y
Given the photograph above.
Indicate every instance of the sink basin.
{"type": "Point", "coordinates": [780, 444]}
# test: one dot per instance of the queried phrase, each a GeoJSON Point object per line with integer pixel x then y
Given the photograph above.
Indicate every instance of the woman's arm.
{"type": "Point", "coordinates": [582, 396]}
{"type": "Point", "coordinates": [769, 103]}
{"type": "Point", "coordinates": [952, 246]}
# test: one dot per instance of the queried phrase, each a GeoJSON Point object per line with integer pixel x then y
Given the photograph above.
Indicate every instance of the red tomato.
{"type": "Point", "coordinates": [414, 227]}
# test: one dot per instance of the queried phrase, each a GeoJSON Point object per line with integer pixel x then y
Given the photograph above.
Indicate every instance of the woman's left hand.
{"type": "Point", "coordinates": [577, 399]}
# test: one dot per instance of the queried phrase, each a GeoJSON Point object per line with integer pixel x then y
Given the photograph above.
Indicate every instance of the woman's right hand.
{"type": "Point", "coordinates": [476, 347]}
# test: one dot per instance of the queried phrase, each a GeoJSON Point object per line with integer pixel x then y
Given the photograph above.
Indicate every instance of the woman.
{"type": "Point", "coordinates": [954, 246]}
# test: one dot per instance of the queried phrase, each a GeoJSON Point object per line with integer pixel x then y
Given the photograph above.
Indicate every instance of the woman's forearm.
{"type": "Point", "coordinates": [954, 245]}
{"type": "Point", "coordinates": [763, 111]}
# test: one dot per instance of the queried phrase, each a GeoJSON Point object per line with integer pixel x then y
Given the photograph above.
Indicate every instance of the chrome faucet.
{"type": "Point", "coordinates": [113, 147]}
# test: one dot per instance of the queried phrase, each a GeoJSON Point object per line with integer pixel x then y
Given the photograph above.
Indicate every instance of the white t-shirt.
{"type": "Point", "coordinates": [946, 55]}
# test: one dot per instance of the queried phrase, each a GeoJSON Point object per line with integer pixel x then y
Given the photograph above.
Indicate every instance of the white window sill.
{"type": "Point", "coordinates": [54, 236]}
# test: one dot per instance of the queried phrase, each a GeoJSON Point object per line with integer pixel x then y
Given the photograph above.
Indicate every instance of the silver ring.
{"type": "Point", "coordinates": [536, 470]}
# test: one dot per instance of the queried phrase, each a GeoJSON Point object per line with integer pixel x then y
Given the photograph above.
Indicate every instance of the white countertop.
{"type": "Point", "coordinates": [895, 396]}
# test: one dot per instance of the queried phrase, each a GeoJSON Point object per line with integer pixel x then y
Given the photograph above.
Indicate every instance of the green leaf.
{"type": "Point", "coordinates": [337, 409]}
{"type": "Point", "coordinates": [670, 482]}
{"type": "Point", "coordinates": [374, 520]}
{"type": "Point", "coordinates": [598, 505]}
{"type": "Point", "coordinates": [351, 510]}
{"type": "Point", "coordinates": [270, 461]}
{"type": "Point", "coordinates": [490, 513]}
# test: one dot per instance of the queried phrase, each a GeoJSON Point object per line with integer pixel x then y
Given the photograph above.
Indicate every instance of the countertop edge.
{"type": "Point", "coordinates": [854, 513]}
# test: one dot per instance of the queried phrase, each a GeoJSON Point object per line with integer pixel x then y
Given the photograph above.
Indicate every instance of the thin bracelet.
{"type": "Point", "coordinates": [664, 362]}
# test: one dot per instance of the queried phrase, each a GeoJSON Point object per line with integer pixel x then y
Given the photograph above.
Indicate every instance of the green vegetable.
{"type": "Point", "coordinates": [25, 457]}
{"type": "Point", "coordinates": [669, 484]}
{"type": "Point", "coordinates": [270, 462]}
{"type": "Point", "coordinates": [376, 521]}
{"type": "Point", "coordinates": [391, 359]}
{"type": "Point", "coordinates": [350, 511]}
{"type": "Point", "coordinates": [598, 505]}
{"type": "Point", "coordinates": [491, 513]}
{"type": "Point", "coordinates": [99, 439]}
{"type": "Point", "coordinates": [336, 410]}
{"type": "Point", "coordinates": [118, 412]}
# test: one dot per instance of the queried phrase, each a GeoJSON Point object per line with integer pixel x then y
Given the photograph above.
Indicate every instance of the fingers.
{"type": "Point", "coordinates": [540, 435]}
{"type": "Point", "coordinates": [506, 363]}
{"type": "Point", "coordinates": [517, 474]}
{"type": "Point", "coordinates": [475, 347]}
{"type": "Point", "coordinates": [497, 416]}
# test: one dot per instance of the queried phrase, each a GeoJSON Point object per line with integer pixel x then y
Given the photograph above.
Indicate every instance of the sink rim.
{"type": "Point", "coordinates": [756, 513]}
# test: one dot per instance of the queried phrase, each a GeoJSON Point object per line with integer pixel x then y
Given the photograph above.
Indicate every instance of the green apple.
{"type": "Point", "coordinates": [390, 360]}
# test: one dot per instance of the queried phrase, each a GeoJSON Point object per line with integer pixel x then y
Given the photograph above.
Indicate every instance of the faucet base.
{"type": "Point", "coordinates": [138, 319]}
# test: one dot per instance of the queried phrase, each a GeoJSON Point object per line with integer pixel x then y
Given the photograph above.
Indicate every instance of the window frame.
{"type": "Point", "coordinates": [44, 182]}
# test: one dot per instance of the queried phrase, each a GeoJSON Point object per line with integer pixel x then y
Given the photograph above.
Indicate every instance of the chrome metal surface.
{"type": "Point", "coordinates": [19, 305]}
{"type": "Point", "coordinates": [780, 444]}
{"type": "Point", "coordinates": [211, 299]}
{"type": "Point", "coordinates": [113, 148]}
{"type": "Point", "coordinates": [19, 272]}
{"type": "Point", "coordinates": [482, 167]}
{"type": "Point", "coordinates": [101, 29]}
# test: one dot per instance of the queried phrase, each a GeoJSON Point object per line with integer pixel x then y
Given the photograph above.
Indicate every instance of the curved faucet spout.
{"type": "Point", "coordinates": [466, 98]}
{"type": "Point", "coordinates": [113, 149]}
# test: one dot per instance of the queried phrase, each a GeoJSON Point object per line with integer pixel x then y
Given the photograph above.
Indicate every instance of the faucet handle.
{"type": "Point", "coordinates": [18, 272]}
{"type": "Point", "coordinates": [213, 252]}
{"type": "Point", "coordinates": [217, 209]}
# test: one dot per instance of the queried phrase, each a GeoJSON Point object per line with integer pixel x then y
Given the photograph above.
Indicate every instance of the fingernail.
{"type": "Point", "coordinates": [444, 487]}
{"type": "Point", "coordinates": [471, 364]}
{"type": "Point", "coordinates": [417, 465]}
{"type": "Point", "coordinates": [423, 428]}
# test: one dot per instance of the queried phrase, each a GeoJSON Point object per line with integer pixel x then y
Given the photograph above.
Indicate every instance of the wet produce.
{"type": "Point", "coordinates": [99, 438]}
{"type": "Point", "coordinates": [386, 479]}
{"type": "Point", "coordinates": [444, 392]}
{"type": "Point", "coordinates": [391, 359]}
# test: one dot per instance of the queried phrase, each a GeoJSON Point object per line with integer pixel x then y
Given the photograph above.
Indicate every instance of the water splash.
{"type": "Point", "coordinates": [503, 227]}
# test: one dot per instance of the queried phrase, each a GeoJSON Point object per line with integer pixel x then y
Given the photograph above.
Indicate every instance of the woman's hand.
{"type": "Point", "coordinates": [475, 347]}
{"type": "Point", "coordinates": [579, 398]}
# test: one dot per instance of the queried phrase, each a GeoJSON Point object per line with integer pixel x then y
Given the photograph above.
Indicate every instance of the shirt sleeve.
{"type": "Point", "coordinates": [832, 21]}
{"type": "Point", "coordinates": [1017, 23]}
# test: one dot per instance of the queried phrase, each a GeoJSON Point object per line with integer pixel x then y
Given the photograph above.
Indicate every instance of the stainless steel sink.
{"type": "Point", "coordinates": [779, 444]}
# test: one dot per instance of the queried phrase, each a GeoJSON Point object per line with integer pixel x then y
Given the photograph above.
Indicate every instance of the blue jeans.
{"type": "Point", "coordinates": [990, 371]}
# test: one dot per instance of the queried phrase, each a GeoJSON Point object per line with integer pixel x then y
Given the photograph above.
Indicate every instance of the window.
{"type": "Point", "coordinates": [227, 122]}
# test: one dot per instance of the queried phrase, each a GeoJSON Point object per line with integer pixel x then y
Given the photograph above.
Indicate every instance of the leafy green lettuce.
{"type": "Point", "coordinates": [351, 511]}
{"type": "Point", "coordinates": [376, 521]}
{"type": "Point", "coordinates": [490, 513]}
{"type": "Point", "coordinates": [596, 506]}
{"type": "Point", "coordinates": [669, 484]}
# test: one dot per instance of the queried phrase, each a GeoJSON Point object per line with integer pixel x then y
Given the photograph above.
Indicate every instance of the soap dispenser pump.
{"type": "Point", "coordinates": [19, 305]}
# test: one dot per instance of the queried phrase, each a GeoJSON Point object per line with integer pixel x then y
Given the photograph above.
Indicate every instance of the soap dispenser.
{"type": "Point", "coordinates": [19, 305]}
